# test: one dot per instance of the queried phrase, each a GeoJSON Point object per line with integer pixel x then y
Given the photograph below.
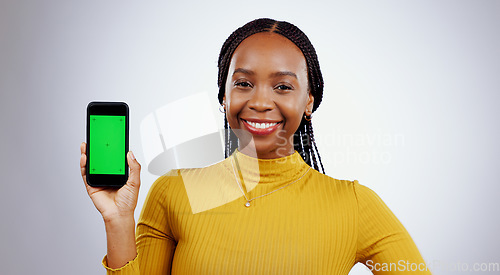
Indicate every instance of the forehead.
{"type": "Point", "coordinates": [270, 52]}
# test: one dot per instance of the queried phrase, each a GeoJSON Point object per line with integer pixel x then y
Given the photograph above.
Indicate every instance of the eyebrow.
{"type": "Point", "coordinates": [250, 72]}
{"type": "Point", "coordinates": [243, 71]}
{"type": "Point", "coordinates": [282, 73]}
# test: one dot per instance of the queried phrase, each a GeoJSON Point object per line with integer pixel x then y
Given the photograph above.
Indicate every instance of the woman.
{"type": "Point", "coordinates": [264, 209]}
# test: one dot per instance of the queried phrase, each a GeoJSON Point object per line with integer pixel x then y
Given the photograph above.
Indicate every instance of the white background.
{"type": "Point", "coordinates": [409, 109]}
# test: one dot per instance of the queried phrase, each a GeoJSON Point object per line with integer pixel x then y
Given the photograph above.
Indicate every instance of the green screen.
{"type": "Point", "coordinates": [107, 145]}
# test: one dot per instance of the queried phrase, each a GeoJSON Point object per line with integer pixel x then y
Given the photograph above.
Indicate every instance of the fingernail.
{"type": "Point", "coordinates": [132, 155]}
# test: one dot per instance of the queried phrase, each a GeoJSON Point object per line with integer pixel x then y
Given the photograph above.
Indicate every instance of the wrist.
{"type": "Point", "coordinates": [118, 219]}
{"type": "Point", "coordinates": [120, 235]}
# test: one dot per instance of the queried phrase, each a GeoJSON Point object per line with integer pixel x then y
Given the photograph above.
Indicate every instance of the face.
{"type": "Point", "coordinates": [267, 94]}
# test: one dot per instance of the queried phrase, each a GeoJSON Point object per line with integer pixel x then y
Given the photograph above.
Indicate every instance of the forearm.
{"type": "Point", "coordinates": [120, 233]}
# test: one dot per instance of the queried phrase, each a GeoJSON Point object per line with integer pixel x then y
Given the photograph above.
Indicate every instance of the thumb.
{"type": "Point", "coordinates": [134, 178]}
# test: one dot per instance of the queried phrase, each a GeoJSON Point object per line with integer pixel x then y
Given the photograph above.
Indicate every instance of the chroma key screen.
{"type": "Point", "coordinates": [107, 145]}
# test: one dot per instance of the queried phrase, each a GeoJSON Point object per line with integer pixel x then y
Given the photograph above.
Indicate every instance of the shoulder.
{"type": "Point", "coordinates": [350, 189]}
{"type": "Point", "coordinates": [338, 184]}
{"type": "Point", "coordinates": [361, 198]}
{"type": "Point", "coordinates": [188, 182]}
{"type": "Point", "coordinates": [164, 185]}
{"type": "Point", "coordinates": [175, 177]}
{"type": "Point", "coordinates": [338, 190]}
{"type": "Point", "coordinates": [166, 181]}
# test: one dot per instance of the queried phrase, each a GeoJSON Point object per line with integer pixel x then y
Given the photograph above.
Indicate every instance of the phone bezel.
{"type": "Point", "coordinates": [107, 108]}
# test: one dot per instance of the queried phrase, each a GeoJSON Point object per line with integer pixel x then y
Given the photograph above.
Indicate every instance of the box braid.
{"type": "Point", "coordinates": [304, 142]}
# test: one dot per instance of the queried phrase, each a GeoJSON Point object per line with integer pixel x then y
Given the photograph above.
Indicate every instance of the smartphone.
{"type": "Point", "coordinates": [107, 144]}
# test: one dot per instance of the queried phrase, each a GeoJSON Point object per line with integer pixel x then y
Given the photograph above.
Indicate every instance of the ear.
{"type": "Point", "coordinates": [224, 99]}
{"type": "Point", "coordinates": [310, 104]}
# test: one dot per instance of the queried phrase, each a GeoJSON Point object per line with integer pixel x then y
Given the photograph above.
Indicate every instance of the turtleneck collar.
{"type": "Point", "coordinates": [278, 171]}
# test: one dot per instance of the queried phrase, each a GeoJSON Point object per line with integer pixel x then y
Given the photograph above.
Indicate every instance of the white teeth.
{"type": "Point", "coordinates": [261, 125]}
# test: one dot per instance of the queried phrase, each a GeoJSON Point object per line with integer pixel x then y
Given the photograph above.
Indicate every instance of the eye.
{"type": "Point", "coordinates": [243, 84]}
{"type": "Point", "coordinates": [284, 87]}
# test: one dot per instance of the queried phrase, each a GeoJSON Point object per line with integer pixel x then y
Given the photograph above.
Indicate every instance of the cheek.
{"type": "Point", "coordinates": [233, 103]}
{"type": "Point", "coordinates": [294, 109]}
{"type": "Point", "coordinates": [293, 117]}
{"type": "Point", "coordinates": [234, 106]}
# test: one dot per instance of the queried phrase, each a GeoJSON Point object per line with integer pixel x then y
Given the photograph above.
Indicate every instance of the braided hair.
{"type": "Point", "coordinates": [303, 140]}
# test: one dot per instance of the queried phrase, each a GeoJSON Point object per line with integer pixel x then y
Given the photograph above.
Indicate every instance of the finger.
{"type": "Point", "coordinates": [83, 161]}
{"type": "Point", "coordinates": [83, 148]}
{"type": "Point", "coordinates": [83, 164]}
{"type": "Point", "coordinates": [134, 178]}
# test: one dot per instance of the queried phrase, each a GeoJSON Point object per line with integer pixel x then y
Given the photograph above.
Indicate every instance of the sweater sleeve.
{"type": "Point", "coordinates": [384, 245]}
{"type": "Point", "coordinates": [154, 238]}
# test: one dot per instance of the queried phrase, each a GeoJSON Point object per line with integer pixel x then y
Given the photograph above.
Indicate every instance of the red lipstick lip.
{"type": "Point", "coordinates": [261, 120]}
{"type": "Point", "coordinates": [258, 131]}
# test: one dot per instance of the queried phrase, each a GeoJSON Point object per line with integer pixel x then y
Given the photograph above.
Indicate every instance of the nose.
{"type": "Point", "coordinates": [260, 100]}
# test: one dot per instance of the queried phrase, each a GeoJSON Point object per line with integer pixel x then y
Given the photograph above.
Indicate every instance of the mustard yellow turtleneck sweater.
{"type": "Point", "coordinates": [195, 221]}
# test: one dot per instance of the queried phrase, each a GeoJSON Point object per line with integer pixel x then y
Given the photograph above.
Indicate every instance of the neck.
{"type": "Point", "coordinates": [266, 154]}
{"type": "Point", "coordinates": [257, 170]}
{"type": "Point", "coordinates": [274, 151]}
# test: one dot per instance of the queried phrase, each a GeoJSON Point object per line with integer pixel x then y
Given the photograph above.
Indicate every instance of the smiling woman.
{"type": "Point", "coordinates": [267, 94]}
{"type": "Point", "coordinates": [266, 208]}
{"type": "Point", "coordinates": [270, 45]}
